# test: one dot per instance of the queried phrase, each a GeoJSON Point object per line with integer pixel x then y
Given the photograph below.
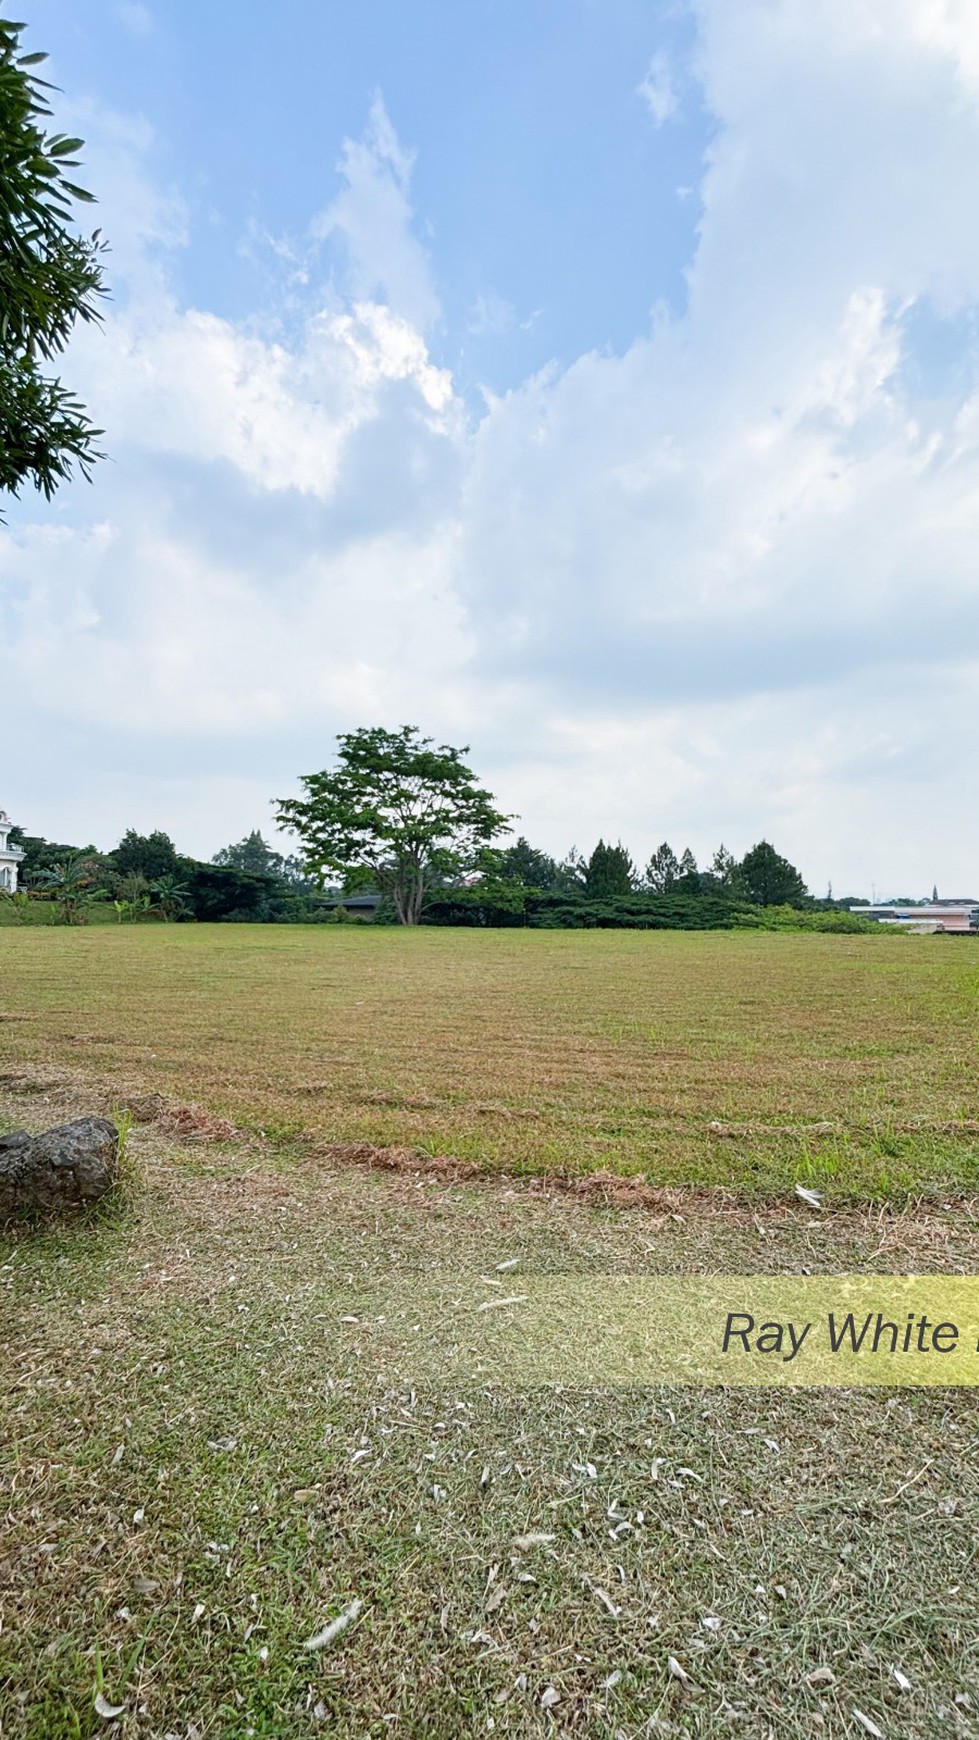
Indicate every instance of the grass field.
{"type": "Point", "coordinates": [202, 1464]}
{"type": "Point", "coordinates": [207, 1455]}
{"type": "Point", "coordinates": [751, 1060]}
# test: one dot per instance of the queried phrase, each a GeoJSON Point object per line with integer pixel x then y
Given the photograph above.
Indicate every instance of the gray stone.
{"type": "Point", "coordinates": [67, 1167]}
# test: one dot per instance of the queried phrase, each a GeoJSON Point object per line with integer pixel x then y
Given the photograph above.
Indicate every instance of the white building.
{"type": "Point", "coordinates": [10, 857]}
{"type": "Point", "coordinates": [958, 916]}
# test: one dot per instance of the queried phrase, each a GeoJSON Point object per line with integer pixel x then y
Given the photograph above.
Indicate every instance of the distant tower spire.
{"type": "Point", "coordinates": [934, 894]}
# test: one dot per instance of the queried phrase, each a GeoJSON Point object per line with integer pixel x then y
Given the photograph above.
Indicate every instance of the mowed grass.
{"type": "Point", "coordinates": [202, 1464]}
{"type": "Point", "coordinates": [749, 1060]}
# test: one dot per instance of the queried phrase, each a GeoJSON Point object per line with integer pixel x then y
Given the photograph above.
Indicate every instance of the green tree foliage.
{"type": "Point", "coordinates": [41, 856]}
{"type": "Point", "coordinates": [610, 872]}
{"type": "Point", "coordinates": [769, 880]}
{"type": "Point", "coordinates": [171, 897]}
{"type": "Point", "coordinates": [724, 869]}
{"type": "Point", "coordinates": [50, 277]}
{"type": "Point", "coordinates": [150, 855]}
{"type": "Point", "coordinates": [663, 870]}
{"type": "Point", "coordinates": [396, 811]}
{"type": "Point", "coordinates": [71, 884]}
{"type": "Point", "coordinates": [255, 855]}
{"type": "Point", "coordinates": [219, 893]}
{"type": "Point", "coordinates": [522, 862]}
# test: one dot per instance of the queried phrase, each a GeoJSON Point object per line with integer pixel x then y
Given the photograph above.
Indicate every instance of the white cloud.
{"type": "Point", "coordinates": [717, 586]}
{"type": "Point", "coordinates": [372, 214]}
{"type": "Point", "coordinates": [658, 89]}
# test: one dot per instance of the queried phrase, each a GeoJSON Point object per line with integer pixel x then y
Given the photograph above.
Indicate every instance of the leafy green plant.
{"type": "Point", "coordinates": [129, 1170]}
{"type": "Point", "coordinates": [171, 897]}
{"type": "Point", "coordinates": [50, 278]}
{"type": "Point", "coordinates": [69, 884]}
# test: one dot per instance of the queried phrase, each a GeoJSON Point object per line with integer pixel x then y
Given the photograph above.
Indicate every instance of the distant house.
{"type": "Point", "coordinates": [959, 917]}
{"type": "Point", "coordinates": [10, 856]}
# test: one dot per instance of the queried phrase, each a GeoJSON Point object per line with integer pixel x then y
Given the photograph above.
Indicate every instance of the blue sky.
{"type": "Point", "coordinates": [545, 194]}
{"type": "Point", "coordinates": [592, 383]}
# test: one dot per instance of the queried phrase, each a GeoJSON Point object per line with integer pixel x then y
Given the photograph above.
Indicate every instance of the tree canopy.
{"type": "Point", "coordinates": [254, 854]}
{"type": "Point", "coordinates": [610, 872]}
{"type": "Point", "coordinates": [151, 855]}
{"type": "Point", "coordinates": [397, 811]}
{"type": "Point", "coordinates": [663, 869]}
{"type": "Point", "coordinates": [524, 863]}
{"type": "Point", "coordinates": [50, 277]}
{"type": "Point", "coordinates": [768, 879]}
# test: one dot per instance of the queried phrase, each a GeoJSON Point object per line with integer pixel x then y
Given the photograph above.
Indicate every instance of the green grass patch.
{"type": "Point", "coordinates": [746, 1059]}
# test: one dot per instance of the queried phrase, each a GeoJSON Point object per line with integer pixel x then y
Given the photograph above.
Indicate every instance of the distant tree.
{"type": "Point", "coordinates": [150, 855]}
{"type": "Point", "coordinates": [171, 897]}
{"type": "Point", "coordinates": [70, 884]}
{"type": "Point", "coordinates": [663, 870]}
{"type": "Point", "coordinates": [49, 279]}
{"type": "Point", "coordinates": [218, 892]}
{"type": "Point", "coordinates": [254, 854]}
{"type": "Point", "coordinates": [522, 862]}
{"type": "Point", "coordinates": [724, 868]}
{"type": "Point", "coordinates": [132, 887]}
{"type": "Point", "coordinates": [42, 856]}
{"type": "Point", "coordinates": [610, 872]}
{"type": "Point", "coordinates": [571, 872]}
{"type": "Point", "coordinates": [397, 811]}
{"type": "Point", "coordinates": [689, 876]}
{"type": "Point", "coordinates": [769, 880]}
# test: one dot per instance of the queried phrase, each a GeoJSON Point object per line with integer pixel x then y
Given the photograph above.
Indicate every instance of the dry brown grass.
{"type": "Point", "coordinates": [748, 1060]}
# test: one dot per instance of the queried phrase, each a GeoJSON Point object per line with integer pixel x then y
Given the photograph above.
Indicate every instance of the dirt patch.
{"type": "Point", "coordinates": [190, 1123]}
{"type": "Point", "coordinates": [15, 1081]}
{"type": "Point", "coordinates": [604, 1188]}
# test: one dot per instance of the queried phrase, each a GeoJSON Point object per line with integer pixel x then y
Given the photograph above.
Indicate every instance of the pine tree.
{"type": "Point", "coordinates": [610, 872]}
{"type": "Point", "coordinates": [663, 869]}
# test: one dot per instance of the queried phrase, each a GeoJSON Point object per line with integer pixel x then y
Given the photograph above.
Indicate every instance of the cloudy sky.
{"type": "Point", "coordinates": [596, 384]}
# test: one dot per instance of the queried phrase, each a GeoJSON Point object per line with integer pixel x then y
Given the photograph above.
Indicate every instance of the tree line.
{"type": "Point", "coordinates": [405, 820]}
{"type": "Point", "coordinates": [146, 879]}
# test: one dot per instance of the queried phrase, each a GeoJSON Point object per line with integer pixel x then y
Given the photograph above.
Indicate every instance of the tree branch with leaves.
{"type": "Point", "coordinates": [50, 277]}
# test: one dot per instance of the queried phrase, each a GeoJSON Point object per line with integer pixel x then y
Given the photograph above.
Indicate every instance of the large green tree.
{"type": "Point", "coordinates": [150, 855]}
{"type": "Point", "coordinates": [663, 870]}
{"type": "Point", "coordinates": [610, 872]}
{"type": "Point", "coordinates": [396, 810]}
{"type": "Point", "coordinates": [768, 879]}
{"type": "Point", "coordinates": [522, 862]}
{"type": "Point", "coordinates": [50, 277]}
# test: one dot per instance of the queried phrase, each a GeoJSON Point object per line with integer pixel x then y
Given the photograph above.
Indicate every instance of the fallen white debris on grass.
{"type": "Point", "coordinates": [868, 1725]}
{"type": "Point", "coordinates": [107, 1711]}
{"type": "Point", "coordinates": [680, 1673]}
{"type": "Point", "coordinates": [321, 1639]}
{"type": "Point", "coordinates": [811, 1197]}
